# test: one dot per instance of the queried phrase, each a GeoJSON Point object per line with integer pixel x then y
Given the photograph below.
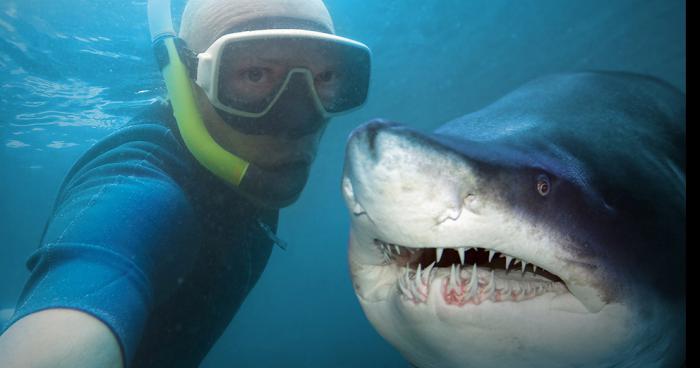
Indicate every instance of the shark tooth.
{"type": "Point", "coordinates": [474, 283]}
{"type": "Point", "coordinates": [418, 275]}
{"type": "Point", "coordinates": [453, 278]}
{"type": "Point", "coordinates": [491, 286]}
{"type": "Point", "coordinates": [461, 252]}
{"type": "Point", "coordinates": [491, 254]}
{"type": "Point", "coordinates": [438, 254]}
{"type": "Point", "coordinates": [420, 286]}
{"type": "Point", "coordinates": [403, 288]}
{"type": "Point", "coordinates": [407, 278]}
{"type": "Point", "coordinates": [508, 260]}
{"type": "Point", "coordinates": [413, 286]}
{"type": "Point", "coordinates": [427, 273]}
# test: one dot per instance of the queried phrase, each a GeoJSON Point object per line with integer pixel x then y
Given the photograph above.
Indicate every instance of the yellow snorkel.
{"type": "Point", "coordinates": [199, 142]}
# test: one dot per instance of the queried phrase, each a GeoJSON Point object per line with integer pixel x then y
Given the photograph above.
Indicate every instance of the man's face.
{"type": "Point", "coordinates": [266, 151]}
{"type": "Point", "coordinates": [269, 96]}
{"type": "Point", "coordinates": [288, 154]}
{"type": "Point", "coordinates": [259, 75]}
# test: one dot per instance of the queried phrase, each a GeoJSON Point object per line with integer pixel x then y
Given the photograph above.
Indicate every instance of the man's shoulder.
{"type": "Point", "coordinates": [154, 126]}
{"type": "Point", "coordinates": [149, 140]}
{"type": "Point", "coordinates": [154, 123]}
{"type": "Point", "coordinates": [157, 113]}
{"type": "Point", "coordinates": [150, 147]}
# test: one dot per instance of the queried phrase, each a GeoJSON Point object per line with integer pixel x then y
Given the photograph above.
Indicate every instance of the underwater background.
{"type": "Point", "coordinates": [72, 71]}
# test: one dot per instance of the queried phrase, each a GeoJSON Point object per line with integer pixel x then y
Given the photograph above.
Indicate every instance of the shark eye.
{"type": "Point", "coordinates": [543, 185]}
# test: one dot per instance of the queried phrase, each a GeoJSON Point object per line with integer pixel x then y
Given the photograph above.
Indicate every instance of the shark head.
{"type": "Point", "coordinates": [517, 235]}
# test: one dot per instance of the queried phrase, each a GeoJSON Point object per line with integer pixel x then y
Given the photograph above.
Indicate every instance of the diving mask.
{"type": "Point", "coordinates": [245, 73]}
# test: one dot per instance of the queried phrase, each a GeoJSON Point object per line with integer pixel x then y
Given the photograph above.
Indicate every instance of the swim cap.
{"type": "Point", "coordinates": [204, 21]}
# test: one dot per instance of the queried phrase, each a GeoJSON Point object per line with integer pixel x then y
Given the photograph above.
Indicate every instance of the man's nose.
{"type": "Point", "coordinates": [297, 109]}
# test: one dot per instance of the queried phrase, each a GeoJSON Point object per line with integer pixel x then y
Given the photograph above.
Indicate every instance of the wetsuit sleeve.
{"type": "Point", "coordinates": [119, 237]}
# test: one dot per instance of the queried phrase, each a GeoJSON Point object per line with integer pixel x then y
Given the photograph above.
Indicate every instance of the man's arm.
{"type": "Point", "coordinates": [59, 338]}
{"type": "Point", "coordinates": [117, 242]}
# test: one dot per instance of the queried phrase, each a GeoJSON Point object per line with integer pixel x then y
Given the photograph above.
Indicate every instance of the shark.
{"type": "Point", "coordinates": [545, 230]}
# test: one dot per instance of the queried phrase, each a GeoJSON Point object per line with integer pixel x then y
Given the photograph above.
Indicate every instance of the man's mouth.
{"type": "Point", "coordinates": [466, 275]}
{"type": "Point", "coordinates": [294, 164]}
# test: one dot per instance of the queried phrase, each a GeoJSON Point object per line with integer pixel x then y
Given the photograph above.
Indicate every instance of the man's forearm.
{"type": "Point", "coordinates": [59, 338]}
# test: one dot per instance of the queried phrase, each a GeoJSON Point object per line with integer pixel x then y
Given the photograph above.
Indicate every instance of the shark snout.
{"type": "Point", "coordinates": [365, 136]}
{"type": "Point", "coordinates": [396, 175]}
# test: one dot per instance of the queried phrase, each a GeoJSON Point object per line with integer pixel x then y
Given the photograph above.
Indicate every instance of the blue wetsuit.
{"type": "Point", "coordinates": [149, 242]}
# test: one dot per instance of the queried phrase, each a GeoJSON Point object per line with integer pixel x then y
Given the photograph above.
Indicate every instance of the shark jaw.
{"type": "Point", "coordinates": [478, 312]}
{"type": "Point", "coordinates": [480, 316]}
{"type": "Point", "coordinates": [452, 277]}
{"type": "Point", "coordinates": [466, 275]}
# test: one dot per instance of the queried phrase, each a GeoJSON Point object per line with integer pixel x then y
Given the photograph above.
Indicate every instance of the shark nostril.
{"type": "Point", "coordinates": [472, 202]}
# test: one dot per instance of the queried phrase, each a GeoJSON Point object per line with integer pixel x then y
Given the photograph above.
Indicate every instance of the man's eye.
{"type": "Point", "coordinates": [326, 76]}
{"type": "Point", "coordinates": [254, 75]}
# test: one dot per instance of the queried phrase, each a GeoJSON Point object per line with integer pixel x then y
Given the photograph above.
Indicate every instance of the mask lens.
{"type": "Point", "coordinates": [248, 80]}
{"type": "Point", "coordinates": [252, 72]}
{"type": "Point", "coordinates": [343, 80]}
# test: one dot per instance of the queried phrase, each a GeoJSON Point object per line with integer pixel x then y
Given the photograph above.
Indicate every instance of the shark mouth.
{"type": "Point", "coordinates": [466, 275]}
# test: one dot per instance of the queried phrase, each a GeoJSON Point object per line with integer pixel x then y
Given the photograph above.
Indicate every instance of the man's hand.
{"type": "Point", "coordinates": [58, 338]}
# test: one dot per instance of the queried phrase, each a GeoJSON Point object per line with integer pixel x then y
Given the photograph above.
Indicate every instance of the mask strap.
{"type": "Point", "coordinates": [188, 57]}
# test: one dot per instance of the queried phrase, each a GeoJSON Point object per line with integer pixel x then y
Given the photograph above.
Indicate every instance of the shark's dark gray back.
{"type": "Point", "coordinates": [601, 118]}
{"type": "Point", "coordinates": [620, 136]}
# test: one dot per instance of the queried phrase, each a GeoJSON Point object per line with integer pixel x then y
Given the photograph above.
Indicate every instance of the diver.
{"type": "Point", "coordinates": [162, 228]}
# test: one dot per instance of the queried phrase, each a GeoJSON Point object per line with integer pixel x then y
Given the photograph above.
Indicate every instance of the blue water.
{"type": "Point", "coordinates": [72, 71]}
